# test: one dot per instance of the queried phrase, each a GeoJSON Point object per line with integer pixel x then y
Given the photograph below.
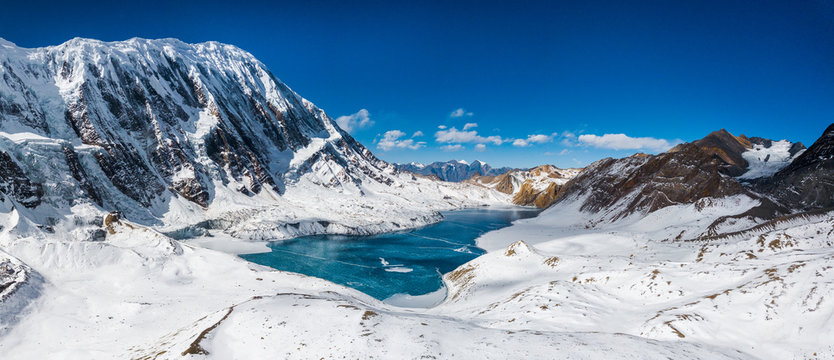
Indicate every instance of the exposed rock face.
{"type": "Point", "coordinates": [11, 275]}
{"type": "Point", "coordinates": [808, 182]}
{"type": "Point", "coordinates": [503, 183]}
{"type": "Point", "coordinates": [454, 170]}
{"type": "Point", "coordinates": [539, 186]}
{"type": "Point", "coordinates": [724, 148]}
{"type": "Point", "coordinates": [707, 168]}
{"type": "Point", "coordinates": [529, 196]}
{"type": "Point", "coordinates": [78, 173]}
{"type": "Point", "coordinates": [141, 121]}
{"type": "Point", "coordinates": [649, 183]}
{"type": "Point", "coordinates": [796, 148]}
{"type": "Point", "coordinates": [15, 184]}
{"type": "Point", "coordinates": [19, 286]}
{"type": "Point", "coordinates": [525, 195]}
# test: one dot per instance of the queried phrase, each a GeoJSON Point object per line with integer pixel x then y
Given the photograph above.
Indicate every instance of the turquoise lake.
{"type": "Point", "coordinates": [409, 262]}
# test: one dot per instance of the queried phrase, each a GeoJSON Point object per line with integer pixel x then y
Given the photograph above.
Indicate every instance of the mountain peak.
{"type": "Point", "coordinates": [85, 46]}
{"type": "Point", "coordinates": [728, 148]}
{"type": "Point", "coordinates": [820, 151]}
{"type": "Point", "coordinates": [7, 43]}
{"type": "Point", "coordinates": [724, 138]}
{"type": "Point", "coordinates": [829, 132]}
{"type": "Point", "coordinates": [165, 114]}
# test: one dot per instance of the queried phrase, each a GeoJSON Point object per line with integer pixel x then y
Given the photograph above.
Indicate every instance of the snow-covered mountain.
{"type": "Point", "coordinates": [453, 170]}
{"type": "Point", "coordinates": [712, 167]}
{"type": "Point", "coordinates": [539, 186]}
{"type": "Point", "coordinates": [188, 136]}
{"type": "Point", "coordinates": [187, 139]}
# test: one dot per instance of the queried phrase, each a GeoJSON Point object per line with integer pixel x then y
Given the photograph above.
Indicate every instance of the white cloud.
{"type": "Point", "coordinates": [460, 113]}
{"type": "Point", "coordinates": [417, 134]}
{"type": "Point", "coordinates": [391, 140]}
{"type": "Point", "coordinates": [568, 138]}
{"type": "Point", "coordinates": [564, 152]}
{"type": "Point", "coordinates": [454, 147]}
{"type": "Point", "coordinates": [534, 139]}
{"type": "Point", "coordinates": [360, 120]}
{"type": "Point", "coordinates": [454, 135]}
{"type": "Point", "coordinates": [625, 142]}
{"type": "Point", "coordinates": [469, 126]}
{"type": "Point", "coordinates": [480, 147]}
{"type": "Point", "coordinates": [441, 126]}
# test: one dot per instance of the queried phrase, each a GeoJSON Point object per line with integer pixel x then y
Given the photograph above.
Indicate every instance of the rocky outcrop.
{"type": "Point", "coordinates": [529, 196]}
{"type": "Point", "coordinates": [504, 182]}
{"type": "Point", "coordinates": [539, 186]}
{"type": "Point", "coordinates": [15, 184]}
{"type": "Point", "coordinates": [20, 285]}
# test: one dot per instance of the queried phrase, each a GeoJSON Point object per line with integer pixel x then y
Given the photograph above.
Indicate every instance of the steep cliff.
{"type": "Point", "coordinates": [172, 134]}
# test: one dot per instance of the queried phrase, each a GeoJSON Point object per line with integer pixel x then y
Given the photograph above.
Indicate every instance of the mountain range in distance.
{"type": "Point", "coordinates": [118, 158]}
{"type": "Point", "coordinates": [537, 186]}
{"type": "Point", "coordinates": [453, 170]}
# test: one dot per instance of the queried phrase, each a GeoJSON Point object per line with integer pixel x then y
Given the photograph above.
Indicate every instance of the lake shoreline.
{"type": "Point", "coordinates": [403, 268]}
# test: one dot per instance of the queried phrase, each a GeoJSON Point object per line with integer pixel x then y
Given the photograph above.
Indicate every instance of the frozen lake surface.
{"type": "Point", "coordinates": [395, 264]}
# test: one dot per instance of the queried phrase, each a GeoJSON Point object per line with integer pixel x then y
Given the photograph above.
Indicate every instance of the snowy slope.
{"type": "Point", "coordinates": [765, 291]}
{"type": "Point", "coordinates": [673, 247]}
{"type": "Point", "coordinates": [142, 295]}
{"type": "Point", "coordinates": [767, 160]}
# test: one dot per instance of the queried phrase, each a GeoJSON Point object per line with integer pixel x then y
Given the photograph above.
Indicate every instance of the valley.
{"type": "Point", "coordinates": [165, 200]}
{"type": "Point", "coordinates": [393, 267]}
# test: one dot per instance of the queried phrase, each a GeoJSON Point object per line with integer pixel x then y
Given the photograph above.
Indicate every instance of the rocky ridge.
{"type": "Point", "coordinates": [709, 168]}
{"type": "Point", "coordinates": [539, 186]}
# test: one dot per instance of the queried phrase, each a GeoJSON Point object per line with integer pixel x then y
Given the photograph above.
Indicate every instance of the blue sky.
{"type": "Point", "coordinates": [559, 82]}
